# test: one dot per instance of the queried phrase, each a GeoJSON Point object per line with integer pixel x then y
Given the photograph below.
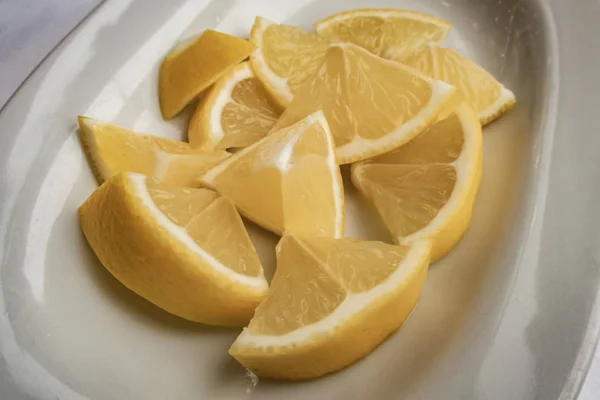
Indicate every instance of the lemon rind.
{"type": "Point", "coordinates": [216, 132]}
{"type": "Point", "coordinates": [276, 85]}
{"type": "Point", "coordinates": [381, 13]}
{"type": "Point", "coordinates": [502, 104]}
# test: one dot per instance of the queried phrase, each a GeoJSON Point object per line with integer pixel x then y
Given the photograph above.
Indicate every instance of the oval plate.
{"type": "Point", "coordinates": [511, 313]}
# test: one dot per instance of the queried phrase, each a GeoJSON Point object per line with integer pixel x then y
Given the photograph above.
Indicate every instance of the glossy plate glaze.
{"type": "Point", "coordinates": [511, 313]}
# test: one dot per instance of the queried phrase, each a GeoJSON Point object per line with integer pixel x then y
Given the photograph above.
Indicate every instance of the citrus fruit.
{"type": "Point", "coordinates": [388, 33]}
{"type": "Point", "coordinates": [194, 65]}
{"type": "Point", "coordinates": [287, 181]}
{"type": "Point", "coordinates": [372, 105]}
{"type": "Point", "coordinates": [331, 302]}
{"type": "Point", "coordinates": [111, 149]}
{"type": "Point", "coordinates": [426, 188]}
{"type": "Point", "coordinates": [185, 250]}
{"type": "Point", "coordinates": [286, 57]}
{"type": "Point", "coordinates": [235, 113]}
{"type": "Point", "coordinates": [489, 98]}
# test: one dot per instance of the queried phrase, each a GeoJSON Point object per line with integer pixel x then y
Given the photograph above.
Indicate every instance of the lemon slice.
{"type": "Point", "coordinates": [194, 65]}
{"type": "Point", "coordinates": [331, 302]}
{"type": "Point", "coordinates": [287, 181]}
{"type": "Point", "coordinates": [111, 149]}
{"type": "Point", "coordinates": [389, 33]}
{"type": "Point", "coordinates": [235, 113]}
{"type": "Point", "coordinates": [426, 188]}
{"type": "Point", "coordinates": [185, 250]}
{"type": "Point", "coordinates": [489, 98]}
{"type": "Point", "coordinates": [286, 57]}
{"type": "Point", "coordinates": [372, 105]}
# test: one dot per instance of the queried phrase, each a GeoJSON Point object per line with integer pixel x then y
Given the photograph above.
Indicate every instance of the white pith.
{"type": "Point", "coordinates": [506, 96]}
{"type": "Point", "coordinates": [216, 132]}
{"type": "Point", "coordinates": [277, 83]}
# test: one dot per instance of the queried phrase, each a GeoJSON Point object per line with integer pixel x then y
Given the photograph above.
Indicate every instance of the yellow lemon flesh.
{"type": "Point", "coordinates": [331, 302]}
{"type": "Point", "coordinates": [193, 66]}
{"type": "Point", "coordinates": [372, 105]}
{"type": "Point", "coordinates": [489, 98]}
{"type": "Point", "coordinates": [389, 33]}
{"type": "Point", "coordinates": [286, 57]}
{"type": "Point", "coordinates": [287, 181]}
{"type": "Point", "coordinates": [426, 188]}
{"type": "Point", "coordinates": [111, 149]}
{"type": "Point", "coordinates": [185, 250]}
{"type": "Point", "coordinates": [235, 113]}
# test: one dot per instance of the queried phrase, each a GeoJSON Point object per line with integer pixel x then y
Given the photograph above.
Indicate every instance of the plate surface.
{"type": "Point", "coordinates": [511, 313]}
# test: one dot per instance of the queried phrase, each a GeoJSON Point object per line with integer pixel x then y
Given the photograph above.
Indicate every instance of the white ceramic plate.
{"type": "Point", "coordinates": [511, 313]}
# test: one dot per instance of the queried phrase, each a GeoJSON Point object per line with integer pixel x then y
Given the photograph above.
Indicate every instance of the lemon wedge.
{"type": "Point", "coordinates": [235, 113]}
{"type": "Point", "coordinates": [372, 105]}
{"type": "Point", "coordinates": [286, 57]}
{"type": "Point", "coordinates": [426, 189]}
{"type": "Point", "coordinates": [331, 302]}
{"type": "Point", "coordinates": [488, 97]}
{"type": "Point", "coordinates": [185, 250]}
{"type": "Point", "coordinates": [111, 149]}
{"type": "Point", "coordinates": [194, 65]}
{"type": "Point", "coordinates": [389, 33]}
{"type": "Point", "coordinates": [288, 181]}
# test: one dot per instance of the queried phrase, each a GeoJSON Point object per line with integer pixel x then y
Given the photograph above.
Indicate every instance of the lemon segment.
{"type": "Point", "coordinates": [193, 66]}
{"type": "Point", "coordinates": [331, 303]}
{"type": "Point", "coordinates": [287, 181]}
{"type": "Point", "coordinates": [286, 57]}
{"type": "Point", "coordinates": [426, 189]}
{"type": "Point", "coordinates": [389, 33]}
{"type": "Point", "coordinates": [235, 113]}
{"type": "Point", "coordinates": [372, 105]}
{"type": "Point", "coordinates": [489, 98]}
{"type": "Point", "coordinates": [185, 250]}
{"type": "Point", "coordinates": [111, 149]}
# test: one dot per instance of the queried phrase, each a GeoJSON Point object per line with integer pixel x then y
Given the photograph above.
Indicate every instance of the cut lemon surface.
{"type": "Point", "coordinates": [185, 250]}
{"type": "Point", "coordinates": [389, 33]}
{"type": "Point", "coordinates": [235, 113]}
{"type": "Point", "coordinates": [488, 97]}
{"type": "Point", "coordinates": [331, 302]}
{"type": "Point", "coordinates": [193, 66]}
{"type": "Point", "coordinates": [286, 57]}
{"type": "Point", "coordinates": [426, 188]}
{"type": "Point", "coordinates": [111, 149]}
{"type": "Point", "coordinates": [372, 105]}
{"type": "Point", "coordinates": [288, 181]}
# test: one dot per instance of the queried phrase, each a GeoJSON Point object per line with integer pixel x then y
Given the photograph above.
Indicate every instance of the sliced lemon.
{"type": "Point", "coordinates": [235, 113]}
{"type": "Point", "coordinates": [286, 57]}
{"type": "Point", "coordinates": [288, 181]}
{"type": "Point", "coordinates": [191, 67]}
{"type": "Point", "coordinates": [489, 98]}
{"type": "Point", "coordinates": [389, 33]}
{"type": "Point", "coordinates": [185, 250]}
{"type": "Point", "coordinates": [426, 188]}
{"type": "Point", "coordinates": [111, 149]}
{"type": "Point", "coordinates": [331, 302]}
{"type": "Point", "coordinates": [372, 105]}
